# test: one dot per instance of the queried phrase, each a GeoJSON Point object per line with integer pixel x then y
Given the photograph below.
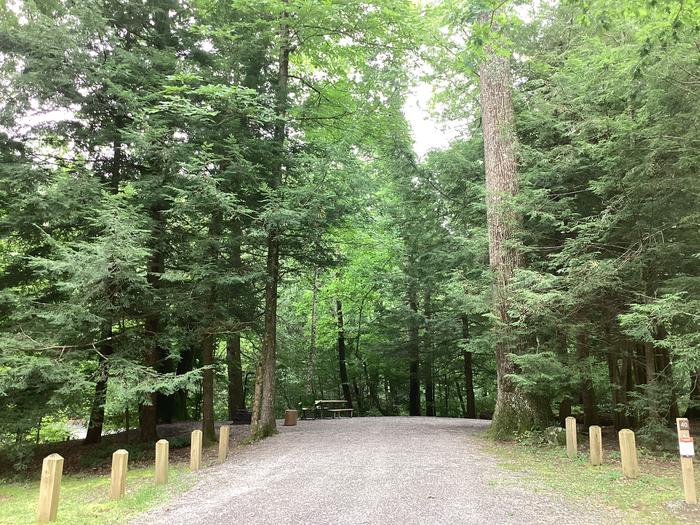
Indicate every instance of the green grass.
{"type": "Point", "coordinates": [84, 500]}
{"type": "Point", "coordinates": [644, 500]}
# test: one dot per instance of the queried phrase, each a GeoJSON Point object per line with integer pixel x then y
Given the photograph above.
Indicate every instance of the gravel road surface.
{"type": "Point", "coordinates": [392, 470]}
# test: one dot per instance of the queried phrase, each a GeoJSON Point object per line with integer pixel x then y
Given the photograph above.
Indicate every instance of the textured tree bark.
{"type": "Point", "coordinates": [234, 367]}
{"type": "Point", "coordinates": [514, 410]}
{"type": "Point", "coordinates": [311, 364]}
{"type": "Point", "coordinates": [97, 411]}
{"type": "Point", "coordinates": [208, 338]}
{"type": "Point", "coordinates": [236, 399]}
{"type": "Point", "coordinates": [208, 432]}
{"type": "Point", "coordinates": [263, 419]}
{"type": "Point", "coordinates": [468, 371]}
{"type": "Point", "coordinates": [413, 355]}
{"type": "Point", "coordinates": [428, 352]}
{"type": "Point", "coordinates": [342, 368]}
{"type": "Point", "coordinates": [263, 422]}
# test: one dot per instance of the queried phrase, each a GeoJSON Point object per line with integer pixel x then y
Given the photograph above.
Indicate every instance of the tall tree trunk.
{"type": "Point", "coordinates": [263, 419]}
{"type": "Point", "coordinates": [234, 367]}
{"type": "Point", "coordinates": [428, 352]}
{"type": "Point", "coordinates": [413, 355]}
{"type": "Point", "coordinates": [373, 384]}
{"type": "Point", "coordinates": [236, 399]}
{"type": "Point", "coordinates": [468, 371]}
{"type": "Point", "coordinates": [590, 411]}
{"type": "Point", "coordinates": [208, 432]}
{"type": "Point", "coordinates": [184, 366]}
{"type": "Point", "coordinates": [148, 415]}
{"type": "Point", "coordinates": [462, 407]}
{"type": "Point", "coordinates": [514, 410]}
{"type": "Point", "coordinates": [344, 382]}
{"type": "Point", "coordinates": [97, 412]}
{"type": "Point", "coordinates": [446, 409]}
{"type": "Point", "coordinates": [207, 333]}
{"type": "Point", "coordinates": [310, 365]}
{"type": "Point", "coordinates": [694, 400]}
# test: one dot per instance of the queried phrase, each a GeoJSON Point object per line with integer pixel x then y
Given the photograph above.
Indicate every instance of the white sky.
{"type": "Point", "coordinates": [428, 132]}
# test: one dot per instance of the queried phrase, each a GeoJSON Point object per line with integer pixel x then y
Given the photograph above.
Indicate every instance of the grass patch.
{"type": "Point", "coordinates": [84, 498]}
{"type": "Point", "coordinates": [656, 497]}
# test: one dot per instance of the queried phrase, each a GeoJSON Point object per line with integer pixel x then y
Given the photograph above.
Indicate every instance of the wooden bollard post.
{"type": "Point", "coordinates": [223, 442]}
{"type": "Point", "coordinates": [120, 461]}
{"type": "Point", "coordinates": [162, 448]}
{"type": "Point", "coordinates": [596, 444]}
{"type": "Point", "coordinates": [571, 437]}
{"type": "Point", "coordinates": [196, 450]}
{"type": "Point", "coordinates": [628, 454]}
{"type": "Point", "coordinates": [687, 451]}
{"type": "Point", "coordinates": [50, 488]}
{"type": "Point", "coordinates": [290, 418]}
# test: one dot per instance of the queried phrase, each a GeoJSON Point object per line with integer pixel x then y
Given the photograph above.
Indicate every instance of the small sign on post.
{"type": "Point", "coordinates": [571, 444]}
{"type": "Point", "coordinates": [687, 452]}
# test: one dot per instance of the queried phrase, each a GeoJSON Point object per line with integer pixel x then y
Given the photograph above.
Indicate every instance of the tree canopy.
{"type": "Point", "coordinates": [209, 208]}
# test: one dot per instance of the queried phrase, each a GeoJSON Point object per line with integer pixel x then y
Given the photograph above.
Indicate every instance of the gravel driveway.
{"type": "Point", "coordinates": [391, 470]}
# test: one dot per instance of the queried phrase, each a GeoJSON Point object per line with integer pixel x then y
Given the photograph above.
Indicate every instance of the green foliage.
{"type": "Point", "coordinates": [148, 150]}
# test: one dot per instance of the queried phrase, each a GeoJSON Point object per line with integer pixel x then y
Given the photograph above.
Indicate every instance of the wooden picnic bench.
{"type": "Point", "coordinates": [333, 406]}
{"type": "Point", "coordinates": [337, 411]}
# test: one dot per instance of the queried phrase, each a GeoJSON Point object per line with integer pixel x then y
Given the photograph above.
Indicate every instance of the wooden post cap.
{"type": "Point", "coordinates": [571, 444]}
{"type": "Point", "coordinates": [628, 454]}
{"type": "Point", "coordinates": [50, 488]}
{"type": "Point", "coordinates": [120, 461]}
{"type": "Point", "coordinates": [596, 445]}
{"type": "Point", "coordinates": [162, 450]}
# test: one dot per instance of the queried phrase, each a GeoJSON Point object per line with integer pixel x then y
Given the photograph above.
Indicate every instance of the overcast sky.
{"type": "Point", "coordinates": [428, 132]}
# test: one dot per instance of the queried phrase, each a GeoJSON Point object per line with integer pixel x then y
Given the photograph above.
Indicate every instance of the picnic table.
{"type": "Point", "coordinates": [335, 407]}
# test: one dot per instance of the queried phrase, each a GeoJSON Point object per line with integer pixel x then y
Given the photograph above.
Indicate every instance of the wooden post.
{"type": "Point", "coordinates": [290, 418]}
{"type": "Point", "coordinates": [571, 437]}
{"type": "Point", "coordinates": [687, 451]}
{"type": "Point", "coordinates": [51, 472]}
{"type": "Point", "coordinates": [223, 442]}
{"type": "Point", "coordinates": [162, 448]}
{"type": "Point", "coordinates": [628, 454]}
{"type": "Point", "coordinates": [196, 450]}
{"type": "Point", "coordinates": [120, 461]}
{"type": "Point", "coordinates": [596, 443]}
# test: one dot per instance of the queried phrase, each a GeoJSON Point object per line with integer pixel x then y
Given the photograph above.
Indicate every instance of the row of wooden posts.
{"type": "Point", "coordinates": [628, 452]}
{"type": "Point", "coordinates": [52, 470]}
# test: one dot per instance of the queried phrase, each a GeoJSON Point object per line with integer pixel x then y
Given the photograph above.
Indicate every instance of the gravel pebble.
{"type": "Point", "coordinates": [387, 470]}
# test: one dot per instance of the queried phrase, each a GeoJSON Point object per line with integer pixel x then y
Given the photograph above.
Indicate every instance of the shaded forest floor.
{"type": "Point", "coordinates": [96, 459]}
